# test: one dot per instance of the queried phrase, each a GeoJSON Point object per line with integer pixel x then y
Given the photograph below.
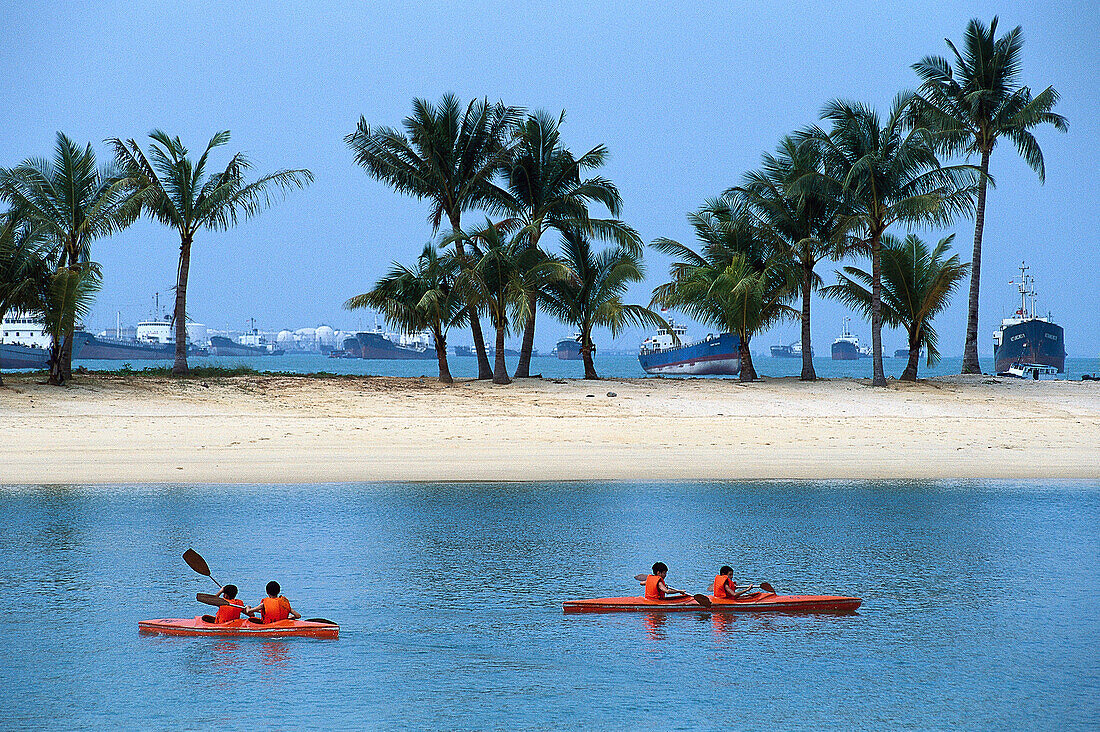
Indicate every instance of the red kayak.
{"type": "Point", "coordinates": [757, 602]}
{"type": "Point", "coordinates": [240, 628]}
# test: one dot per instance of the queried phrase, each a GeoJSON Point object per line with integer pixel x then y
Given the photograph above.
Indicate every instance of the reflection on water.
{"type": "Point", "coordinates": [449, 601]}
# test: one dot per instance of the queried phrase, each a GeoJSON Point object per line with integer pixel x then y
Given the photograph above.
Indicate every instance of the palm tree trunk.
{"type": "Point", "coordinates": [66, 353]}
{"type": "Point", "coordinates": [180, 311]}
{"type": "Point", "coordinates": [484, 371]}
{"type": "Point", "coordinates": [808, 373]}
{"type": "Point", "coordinates": [56, 377]}
{"type": "Point", "coordinates": [441, 355]}
{"type": "Point", "coordinates": [970, 363]}
{"type": "Point", "coordinates": [879, 375]}
{"type": "Point", "coordinates": [500, 370]}
{"type": "Point", "coordinates": [748, 371]}
{"type": "Point", "coordinates": [586, 355]}
{"type": "Point", "coordinates": [910, 372]}
{"type": "Point", "coordinates": [523, 368]}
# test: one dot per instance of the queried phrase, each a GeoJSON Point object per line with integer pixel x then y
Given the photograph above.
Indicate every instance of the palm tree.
{"type": "Point", "coordinates": [973, 106]}
{"type": "Point", "coordinates": [882, 175]}
{"type": "Point", "coordinates": [72, 202]}
{"type": "Point", "coordinates": [25, 264]}
{"type": "Point", "coordinates": [448, 156]}
{"type": "Point", "coordinates": [802, 226]}
{"type": "Point", "coordinates": [916, 286]}
{"type": "Point", "coordinates": [424, 297]}
{"type": "Point", "coordinates": [736, 281]}
{"type": "Point", "coordinates": [592, 295]}
{"type": "Point", "coordinates": [501, 277]}
{"type": "Point", "coordinates": [545, 190]}
{"type": "Point", "coordinates": [176, 191]}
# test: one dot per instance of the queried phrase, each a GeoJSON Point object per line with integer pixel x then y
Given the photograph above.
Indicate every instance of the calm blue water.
{"type": "Point", "coordinates": [981, 606]}
{"type": "Point", "coordinates": [613, 365]}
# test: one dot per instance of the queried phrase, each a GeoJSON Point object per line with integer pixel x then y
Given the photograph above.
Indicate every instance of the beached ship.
{"type": "Point", "coordinates": [846, 347]}
{"type": "Point", "coordinates": [1027, 339]}
{"type": "Point", "coordinates": [569, 349]}
{"type": "Point", "coordinates": [668, 353]}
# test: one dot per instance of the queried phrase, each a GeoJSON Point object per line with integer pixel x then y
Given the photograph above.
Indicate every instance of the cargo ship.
{"type": "Point", "coordinates": [569, 349]}
{"type": "Point", "coordinates": [222, 346]}
{"type": "Point", "coordinates": [490, 352]}
{"type": "Point", "coordinates": [1026, 339]}
{"type": "Point", "coordinates": [377, 344]}
{"type": "Point", "coordinates": [24, 343]}
{"type": "Point", "coordinates": [793, 350]}
{"type": "Point", "coordinates": [18, 356]}
{"type": "Point", "coordinates": [668, 353]}
{"type": "Point", "coordinates": [846, 347]}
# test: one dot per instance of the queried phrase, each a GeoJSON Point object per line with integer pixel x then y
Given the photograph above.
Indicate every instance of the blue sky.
{"type": "Point", "coordinates": [686, 97]}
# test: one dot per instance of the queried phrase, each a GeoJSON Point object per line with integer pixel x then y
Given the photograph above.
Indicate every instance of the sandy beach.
{"type": "Point", "coordinates": [277, 429]}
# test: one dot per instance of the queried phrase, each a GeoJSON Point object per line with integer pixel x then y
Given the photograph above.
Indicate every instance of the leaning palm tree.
{"type": "Point", "coordinates": [916, 286]}
{"type": "Point", "coordinates": [73, 202]}
{"type": "Point", "coordinates": [503, 273]}
{"type": "Point", "coordinates": [178, 192]}
{"type": "Point", "coordinates": [970, 108]}
{"type": "Point", "coordinates": [592, 295]}
{"type": "Point", "coordinates": [802, 225]}
{"type": "Point", "coordinates": [882, 175]}
{"type": "Point", "coordinates": [423, 297]}
{"type": "Point", "coordinates": [545, 190]}
{"type": "Point", "coordinates": [736, 281]}
{"type": "Point", "coordinates": [448, 156]}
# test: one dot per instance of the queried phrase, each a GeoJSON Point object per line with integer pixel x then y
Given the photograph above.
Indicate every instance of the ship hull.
{"type": "Point", "coordinates": [105, 349]}
{"type": "Point", "coordinates": [568, 350]}
{"type": "Point", "coordinates": [1032, 341]}
{"type": "Point", "coordinates": [222, 346]}
{"type": "Point", "coordinates": [375, 346]}
{"type": "Point", "coordinates": [717, 356]}
{"type": "Point", "coordinates": [18, 356]}
{"type": "Point", "coordinates": [845, 351]}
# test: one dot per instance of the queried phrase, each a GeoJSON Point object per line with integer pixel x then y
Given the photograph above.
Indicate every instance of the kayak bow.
{"type": "Point", "coordinates": [752, 603]}
{"type": "Point", "coordinates": [240, 628]}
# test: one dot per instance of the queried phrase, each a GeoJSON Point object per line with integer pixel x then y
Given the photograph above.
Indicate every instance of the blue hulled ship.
{"type": "Point", "coordinates": [668, 353]}
{"type": "Point", "coordinates": [1026, 339]}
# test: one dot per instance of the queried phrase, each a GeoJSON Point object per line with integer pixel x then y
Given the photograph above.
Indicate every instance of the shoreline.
{"type": "Point", "coordinates": [276, 429]}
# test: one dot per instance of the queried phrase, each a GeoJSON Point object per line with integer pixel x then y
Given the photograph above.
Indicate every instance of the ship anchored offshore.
{"type": "Point", "coordinates": [1026, 342]}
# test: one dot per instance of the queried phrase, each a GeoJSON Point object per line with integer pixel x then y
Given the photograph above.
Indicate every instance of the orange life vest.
{"type": "Point", "coordinates": [720, 590]}
{"type": "Point", "coordinates": [652, 590]}
{"type": "Point", "coordinates": [274, 609]}
{"type": "Point", "coordinates": [229, 612]}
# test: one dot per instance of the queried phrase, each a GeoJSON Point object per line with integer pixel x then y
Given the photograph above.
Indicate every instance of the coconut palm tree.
{"type": "Point", "coordinates": [26, 263]}
{"type": "Point", "coordinates": [501, 276]}
{"type": "Point", "coordinates": [883, 175]}
{"type": "Point", "coordinates": [736, 281]}
{"type": "Point", "coordinates": [801, 225]}
{"type": "Point", "coordinates": [970, 108]}
{"type": "Point", "coordinates": [178, 192]}
{"type": "Point", "coordinates": [446, 155]}
{"type": "Point", "coordinates": [72, 202]}
{"type": "Point", "coordinates": [545, 190]}
{"type": "Point", "coordinates": [423, 297]}
{"type": "Point", "coordinates": [916, 286]}
{"type": "Point", "coordinates": [592, 295]}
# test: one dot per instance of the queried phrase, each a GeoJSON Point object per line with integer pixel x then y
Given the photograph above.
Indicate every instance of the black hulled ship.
{"type": "Point", "coordinates": [1026, 338]}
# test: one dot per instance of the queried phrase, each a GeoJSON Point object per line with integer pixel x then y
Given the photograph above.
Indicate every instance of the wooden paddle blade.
{"type": "Point", "coordinates": [212, 599]}
{"type": "Point", "coordinates": [196, 562]}
{"type": "Point", "coordinates": [703, 600]}
{"type": "Point", "coordinates": [768, 588]}
{"type": "Point", "coordinates": [320, 620]}
{"type": "Point", "coordinates": [641, 577]}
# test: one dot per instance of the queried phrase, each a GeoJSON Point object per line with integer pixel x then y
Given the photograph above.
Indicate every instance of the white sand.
{"type": "Point", "coordinates": [129, 429]}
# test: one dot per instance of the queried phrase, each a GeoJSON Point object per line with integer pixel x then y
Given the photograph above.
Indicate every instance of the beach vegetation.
{"type": "Point", "coordinates": [448, 153]}
{"type": "Point", "coordinates": [170, 187]}
{"type": "Point", "coordinates": [917, 283]}
{"type": "Point", "coordinates": [25, 266]}
{"type": "Point", "coordinates": [972, 101]}
{"type": "Point", "coordinates": [425, 296]}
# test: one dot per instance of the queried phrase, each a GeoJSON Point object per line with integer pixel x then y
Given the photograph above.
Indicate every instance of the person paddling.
{"type": "Point", "coordinates": [274, 607]}
{"type": "Point", "coordinates": [227, 613]}
{"type": "Point", "coordinates": [655, 587]}
{"type": "Point", "coordinates": [724, 586]}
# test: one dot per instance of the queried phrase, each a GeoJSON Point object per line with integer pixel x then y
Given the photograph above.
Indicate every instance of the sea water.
{"type": "Point", "coordinates": [981, 606]}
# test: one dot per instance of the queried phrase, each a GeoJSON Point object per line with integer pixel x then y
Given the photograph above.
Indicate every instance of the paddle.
{"type": "Point", "coordinates": [196, 562]}
{"type": "Point", "coordinates": [701, 599]}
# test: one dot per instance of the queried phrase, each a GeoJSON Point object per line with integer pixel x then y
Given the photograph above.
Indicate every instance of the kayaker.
{"type": "Point", "coordinates": [274, 607]}
{"type": "Point", "coordinates": [227, 613]}
{"type": "Point", "coordinates": [655, 587]}
{"type": "Point", "coordinates": [724, 586]}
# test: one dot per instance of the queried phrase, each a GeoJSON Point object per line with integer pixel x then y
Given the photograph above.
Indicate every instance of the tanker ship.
{"type": "Point", "coordinates": [1027, 339]}
{"type": "Point", "coordinates": [667, 353]}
